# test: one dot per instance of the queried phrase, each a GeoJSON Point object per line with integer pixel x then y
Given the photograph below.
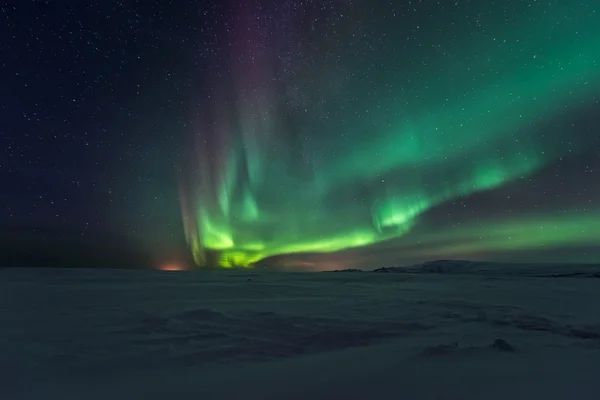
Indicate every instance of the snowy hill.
{"type": "Point", "coordinates": [499, 269]}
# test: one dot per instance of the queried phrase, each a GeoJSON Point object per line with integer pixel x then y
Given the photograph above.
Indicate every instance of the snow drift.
{"type": "Point", "coordinates": [445, 329]}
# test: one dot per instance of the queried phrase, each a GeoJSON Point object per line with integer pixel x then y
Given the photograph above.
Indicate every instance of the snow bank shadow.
{"type": "Point", "coordinates": [524, 322]}
{"type": "Point", "coordinates": [205, 336]}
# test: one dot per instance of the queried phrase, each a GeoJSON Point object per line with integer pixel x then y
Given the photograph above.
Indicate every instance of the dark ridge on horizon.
{"type": "Point", "coordinates": [529, 269]}
{"type": "Point", "coordinates": [458, 267]}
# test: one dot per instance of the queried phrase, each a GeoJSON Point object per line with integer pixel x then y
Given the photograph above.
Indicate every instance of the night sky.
{"type": "Point", "coordinates": [299, 134]}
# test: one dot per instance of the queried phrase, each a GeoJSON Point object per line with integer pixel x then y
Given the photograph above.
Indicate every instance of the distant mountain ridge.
{"type": "Point", "coordinates": [465, 267]}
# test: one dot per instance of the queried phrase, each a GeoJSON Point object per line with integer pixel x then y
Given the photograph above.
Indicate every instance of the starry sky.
{"type": "Point", "coordinates": [299, 134]}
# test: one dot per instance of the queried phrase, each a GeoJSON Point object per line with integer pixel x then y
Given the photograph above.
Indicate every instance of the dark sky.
{"type": "Point", "coordinates": [392, 131]}
{"type": "Point", "coordinates": [95, 99]}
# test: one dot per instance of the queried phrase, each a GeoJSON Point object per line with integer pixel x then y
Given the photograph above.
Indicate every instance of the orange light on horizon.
{"type": "Point", "coordinates": [171, 267]}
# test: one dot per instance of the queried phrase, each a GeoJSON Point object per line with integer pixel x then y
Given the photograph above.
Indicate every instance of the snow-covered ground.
{"type": "Point", "coordinates": [442, 332]}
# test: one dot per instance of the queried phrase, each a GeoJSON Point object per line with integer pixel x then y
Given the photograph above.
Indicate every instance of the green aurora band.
{"type": "Point", "coordinates": [349, 152]}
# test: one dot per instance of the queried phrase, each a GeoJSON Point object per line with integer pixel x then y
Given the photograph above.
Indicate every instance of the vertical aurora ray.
{"type": "Point", "coordinates": [301, 146]}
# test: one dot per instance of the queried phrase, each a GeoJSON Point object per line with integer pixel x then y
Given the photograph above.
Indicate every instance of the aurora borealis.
{"type": "Point", "coordinates": [351, 127]}
{"type": "Point", "coordinates": [299, 134]}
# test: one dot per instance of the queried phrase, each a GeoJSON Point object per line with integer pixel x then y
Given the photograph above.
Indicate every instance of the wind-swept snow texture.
{"type": "Point", "coordinates": [445, 332]}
